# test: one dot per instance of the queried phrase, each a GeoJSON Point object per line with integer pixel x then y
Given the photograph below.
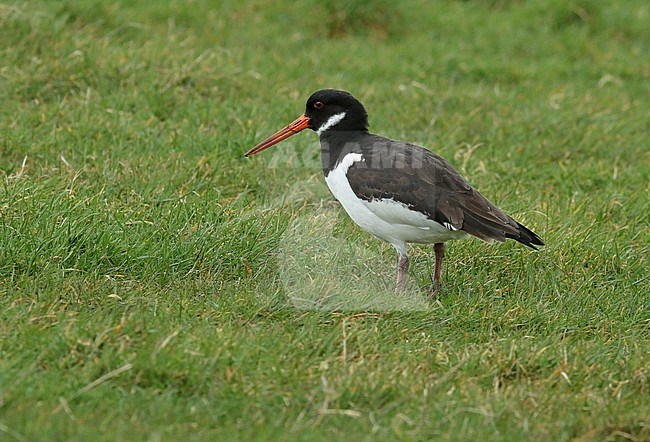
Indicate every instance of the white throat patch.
{"type": "Point", "coordinates": [332, 121]}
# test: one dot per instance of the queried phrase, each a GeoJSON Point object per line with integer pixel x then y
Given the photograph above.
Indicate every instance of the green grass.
{"type": "Point", "coordinates": [155, 285]}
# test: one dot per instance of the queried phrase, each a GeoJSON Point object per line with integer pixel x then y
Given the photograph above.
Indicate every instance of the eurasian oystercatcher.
{"type": "Point", "coordinates": [399, 192]}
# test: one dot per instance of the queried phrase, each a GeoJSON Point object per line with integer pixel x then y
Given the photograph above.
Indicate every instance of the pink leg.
{"type": "Point", "coordinates": [439, 250]}
{"type": "Point", "coordinates": [402, 269]}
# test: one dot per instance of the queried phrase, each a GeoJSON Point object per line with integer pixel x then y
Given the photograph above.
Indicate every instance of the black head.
{"type": "Point", "coordinates": [326, 109]}
{"type": "Point", "coordinates": [337, 110]}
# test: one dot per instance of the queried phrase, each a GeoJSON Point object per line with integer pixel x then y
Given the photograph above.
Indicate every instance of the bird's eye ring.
{"type": "Point", "coordinates": [318, 105]}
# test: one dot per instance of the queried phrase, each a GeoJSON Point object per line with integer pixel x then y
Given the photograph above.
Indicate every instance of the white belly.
{"type": "Point", "coordinates": [386, 219]}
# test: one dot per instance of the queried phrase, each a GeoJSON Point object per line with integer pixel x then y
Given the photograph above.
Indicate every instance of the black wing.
{"type": "Point", "coordinates": [429, 184]}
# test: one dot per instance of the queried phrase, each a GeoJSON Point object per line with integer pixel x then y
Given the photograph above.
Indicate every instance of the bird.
{"type": "Point", "coordinates": [399, 192]}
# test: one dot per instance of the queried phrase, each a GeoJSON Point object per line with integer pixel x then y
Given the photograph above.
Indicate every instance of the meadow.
{"type": "Point", "coordinates": [156, 285]}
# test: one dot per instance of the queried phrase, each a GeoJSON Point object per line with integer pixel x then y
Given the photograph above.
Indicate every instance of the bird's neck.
{"type": "Point", "coordinates": [335, 145]}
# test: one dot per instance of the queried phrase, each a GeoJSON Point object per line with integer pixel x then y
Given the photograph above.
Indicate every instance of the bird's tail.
{"type": "Point", "coordinates": [526, 236]}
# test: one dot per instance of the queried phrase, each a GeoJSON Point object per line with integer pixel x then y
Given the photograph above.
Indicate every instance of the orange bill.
{"type": "Point", "coordinates": [300, 124]}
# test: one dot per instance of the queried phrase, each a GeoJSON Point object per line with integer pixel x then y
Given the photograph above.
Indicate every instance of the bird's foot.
{"type": "Point", "coordinates": [434, 290]}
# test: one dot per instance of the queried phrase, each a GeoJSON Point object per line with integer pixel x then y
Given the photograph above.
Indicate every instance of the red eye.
{"type": "Point", "coordinates": [318, 105]}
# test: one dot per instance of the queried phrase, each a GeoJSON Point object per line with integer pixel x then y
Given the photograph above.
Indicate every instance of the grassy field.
{"type": "Point", "coordinates": [156, 285]}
